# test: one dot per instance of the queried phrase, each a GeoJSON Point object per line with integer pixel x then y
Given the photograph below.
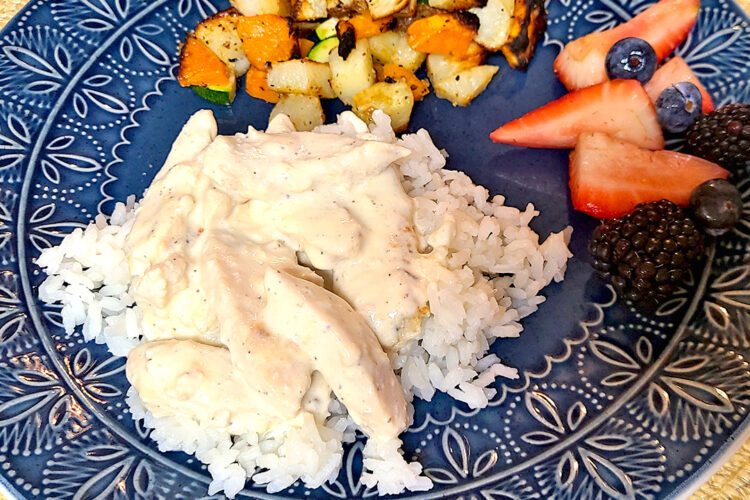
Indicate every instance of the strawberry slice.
{"type": "Point", "coordinates": [609, 177]}
{"type": "Point", "coordinates": [620, 108]}
{"type": "Point", "coordinates": [676, 70]}
{"type": "Point", "coordinates": [664, 25]}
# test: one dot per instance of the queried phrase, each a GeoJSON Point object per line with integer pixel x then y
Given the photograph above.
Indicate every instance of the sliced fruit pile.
{"type": "Point", "coordinates": [621, 104]}
{"type": "Point", "coordinates": [664, 26]}
{"type": "Point", "coordinates": [365, 54]}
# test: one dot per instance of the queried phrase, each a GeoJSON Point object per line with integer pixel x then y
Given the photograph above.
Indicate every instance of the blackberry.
{"type": "Point", "coordinates": [647, 253]}
{"type": "Point", "coordinates": [723, 136]}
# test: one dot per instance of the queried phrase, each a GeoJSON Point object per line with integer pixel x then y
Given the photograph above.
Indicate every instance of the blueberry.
{"type": "Point", "coordinates": [717, 206]}
{"type": "Point", "coordinates": [631, 59]}
{"type": "Point", "coordinates": [679, 106]}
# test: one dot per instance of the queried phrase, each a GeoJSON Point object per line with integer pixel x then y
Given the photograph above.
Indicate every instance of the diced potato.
{"type": "Point", "coordinates": [393, 48]}
{"type": "Point", "coordinates": [256, 7]}
{"type": "Point", "coordinates": [495, 20]}
{"type": "Point", "coordinates": [384, 8]}
{"type": "Point", "coordinates": [409, 10]}
{"type": "Point", "coordinates": [279, 124]}
{"type": "Point", "coordinates": [308, 10]}
{"type": "Point", "coordinates": [300, 76]}
{"type": "Point", "coordinates": [454, 5]}
{"type": "Point", "coordinates": [440, 67]}
{"type": "Point", "coordinates": [458, 81]}
{"type": "Point", "coordinates": [465, 86]}
{"type": "Point", "coordinates": [219, 33]}
{"type": "Point", "coordinates": [304, 111]}
{"type": "Point", "coordinates": [394, 99]}
{"type": "Point", "coordinates": [342, 7]}
{"type": "Point", "coordinates": [353, 74]}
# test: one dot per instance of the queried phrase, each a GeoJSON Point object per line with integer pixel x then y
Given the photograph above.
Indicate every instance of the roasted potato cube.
{"type": "Point", "coordinates": [393, 48]}
{"type": "Point", "coordinates": [440, 67]}
{"type": "Point", "coordinates": [353, 74]}
{"type": "Point", "coordinates": [304, 111]}
{"type": "Point", "coordinates": [495, 21]}
{"type": "Point", "coordinates": [409, 10]}
{"type": "Point", "coordinates": [458, 81]}
{"type": "Point", "coordinates": [300, 76]}
{"type": "Point", "coordinates": [346, 8]}
{"type": "Point", "coordinates": [394, 99]}
{"type": "Point", "coordinates": [309, 10]}
{"type": "Point", "coordinates": [219, 33]}
{"type": "Point", "coordinates": [385, 8]}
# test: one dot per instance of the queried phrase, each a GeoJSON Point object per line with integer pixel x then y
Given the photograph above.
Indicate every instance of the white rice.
{"type": "Point", "coordinates": [496, 269]}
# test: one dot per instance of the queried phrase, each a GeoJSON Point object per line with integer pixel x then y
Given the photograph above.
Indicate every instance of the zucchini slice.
{"type": "Point", "coordinates": [221, 97]}
{"type": "Point", "coordinates": [321, 51]}
{"type": "Point", "coordinates": [326, 29]}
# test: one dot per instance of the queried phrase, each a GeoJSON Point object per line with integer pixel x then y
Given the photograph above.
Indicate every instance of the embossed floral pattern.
{"type": "Point", "coordinates": [619, 461]}
{"type": "Point", "coordinates": [596, 462]}
{"type": "Point", "coordinates": [702, 390]}
{"type": "Point", "coordinates": [462, 464]}
{"type": "Point", "coordinates": [726, 308]}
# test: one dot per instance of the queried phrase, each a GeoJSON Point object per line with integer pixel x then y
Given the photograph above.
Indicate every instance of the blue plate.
{"type": "Point", "coordinates": [609, 402]}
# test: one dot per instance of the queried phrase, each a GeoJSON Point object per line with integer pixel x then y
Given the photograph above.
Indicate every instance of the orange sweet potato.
{"type": "Point", "coordinates": [257, 86]}
{"type": "Point", "coordinates": [441, 34]}
{"type": "Point", "coordinates": [394, 72]}
{"type": "Point", "coordinates": [266, 38]}
{"type": "Point", "coordinates": [200, 67]}
{"type": "Point", "coordinates": [304, 47]}
{"type": "Point", "coordinates": [365, 26]}
{"type": "Point", "coordinates": [474, 54]}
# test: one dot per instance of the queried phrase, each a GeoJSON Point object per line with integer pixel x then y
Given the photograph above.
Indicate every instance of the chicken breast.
{"type": "Point", "coordinates": [188, 379]}
{"type": "Point", "coordinates": [343, 348]}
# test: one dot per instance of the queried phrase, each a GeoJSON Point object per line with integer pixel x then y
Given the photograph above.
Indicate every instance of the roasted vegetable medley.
{"type": "Point", "coordinates": [367, 54]}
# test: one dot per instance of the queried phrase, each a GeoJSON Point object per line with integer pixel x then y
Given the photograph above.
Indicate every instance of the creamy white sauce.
{"type": "Point", "coordinates": [235, 319]}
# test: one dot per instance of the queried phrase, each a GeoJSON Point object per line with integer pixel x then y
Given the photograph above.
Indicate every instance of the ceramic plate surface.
{"type": "Point", "coordinates": [610, 403]}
